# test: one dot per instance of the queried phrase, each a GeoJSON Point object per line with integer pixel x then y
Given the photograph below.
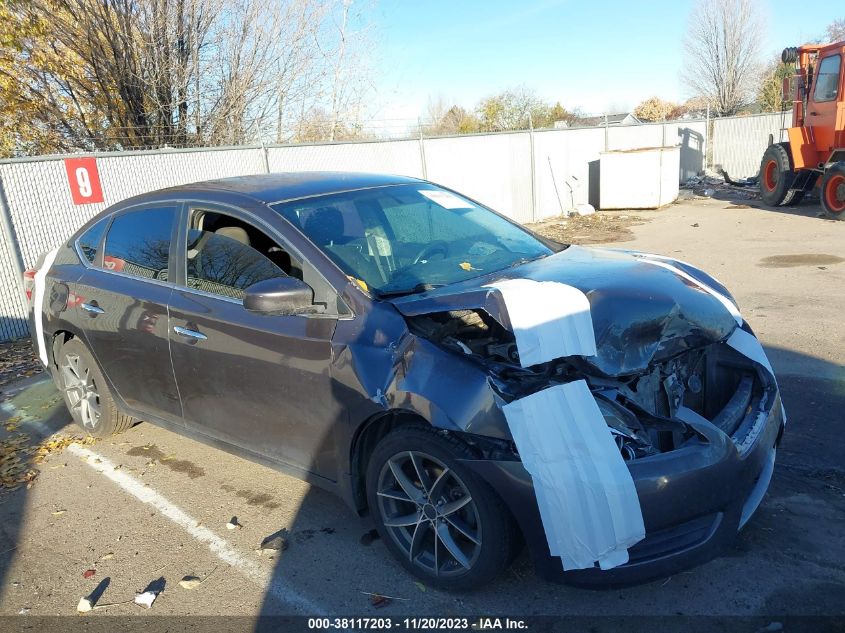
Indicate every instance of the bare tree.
{"type": "Point", "coordinates": [722, 46]}
{"type": "Point", "coordinates": [836, 31]}
{"type": "Point", "coordinates": [112, 74]}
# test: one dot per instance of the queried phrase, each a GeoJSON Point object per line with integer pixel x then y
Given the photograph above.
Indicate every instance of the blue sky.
{"type": "Point", "coordinates": [597, 55]}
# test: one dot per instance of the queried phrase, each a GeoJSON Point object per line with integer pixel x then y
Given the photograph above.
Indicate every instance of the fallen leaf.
{"type": "Point", "coordinates": [379, 601]}
{"type": "Point", "coordinates": [420, 586]}
{"type": "Point", "coordinates": [58, 512]}
{"type": "Point", "coordinates": [89, 573]}
{"type": "Point", "coordinates": [190, 582]}
{"type": "Point", "coordinates": [107, 556]}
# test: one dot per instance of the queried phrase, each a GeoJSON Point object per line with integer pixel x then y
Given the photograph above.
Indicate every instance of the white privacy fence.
{"type": "Point", "coordinates": [525, 175]}
{"type": "Point", "coordinates": [739, 142]}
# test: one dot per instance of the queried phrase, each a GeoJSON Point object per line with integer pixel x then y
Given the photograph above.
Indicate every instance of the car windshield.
{"type": "Point", "coordinates": [401, 239]}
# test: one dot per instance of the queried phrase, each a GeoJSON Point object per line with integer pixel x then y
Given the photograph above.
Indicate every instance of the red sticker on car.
{"type": "Point", "coordinates": [113, 263]}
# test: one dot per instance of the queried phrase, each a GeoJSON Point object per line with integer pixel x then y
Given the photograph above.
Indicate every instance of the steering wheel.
{"type": "Point", "coordinates": [430, 249]}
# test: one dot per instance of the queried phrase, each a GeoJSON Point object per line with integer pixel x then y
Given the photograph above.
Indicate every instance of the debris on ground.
{"type": "Point", "coordinates": [89, 573]}
{"type": "Point", "coordinates": [84, 605]}
{"type": "Point", "coordinates": [233, 524]}
{"type": "Point", "coordinates": [18, 360]}
{"type": "Point", "coordinates": [145, 599]}
{"type": "Point", "coordinates": [718, 185]}
{"type": "Point", "coordinates": [277, 542]}
{"type": "Point", "coordinates": [597, 228]}
{"type": "Point", "coordinates": [19, 458]}
{"type": "Point", "coordinates": [583, 209]}
{"type": "Point", "coordinates": [368, 537]}
{"type": "Point", "coordinates": [150, 593]}
{"type": "Point", "coordinates": [379, 601]}
{"type": "Point", "coordinates": [190, 582]}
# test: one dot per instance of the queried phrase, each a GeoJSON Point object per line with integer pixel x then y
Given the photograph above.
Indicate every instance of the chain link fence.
{"type": "Point", "coordinates": [527, 175]}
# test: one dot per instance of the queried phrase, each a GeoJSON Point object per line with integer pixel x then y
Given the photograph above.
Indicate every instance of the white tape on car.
{"type": "Point", "coordinates": [585, 493]}
{"type": "Point", "coordinates": [730, 306]}
{"type": "Point", "coordinates": [748, 345]}
{"type": "Point", "coordinates": [38, 303]}
{"type": "Point", "coordinates": [549, 319]}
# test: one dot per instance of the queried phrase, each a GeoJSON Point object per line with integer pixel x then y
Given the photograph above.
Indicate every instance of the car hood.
{"type": "Point", "coordinates": [644, 308]}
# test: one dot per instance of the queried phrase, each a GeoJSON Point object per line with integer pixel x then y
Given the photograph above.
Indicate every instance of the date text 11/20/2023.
{"type": "Point", "coordinates": [419, 623]}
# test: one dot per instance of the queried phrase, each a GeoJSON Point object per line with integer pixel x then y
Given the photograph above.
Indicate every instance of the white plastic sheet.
{"type": "Point", "coordinates": [585, 493]}
{"type": "Point", "coordinates": [549, 319]}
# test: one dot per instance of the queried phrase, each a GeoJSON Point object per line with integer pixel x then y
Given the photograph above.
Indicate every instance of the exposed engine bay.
{"type": "Point", "coordinates": [641, 409]}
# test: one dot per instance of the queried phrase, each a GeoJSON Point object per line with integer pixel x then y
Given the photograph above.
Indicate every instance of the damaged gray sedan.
{"type": "Point", "coordinates": [472, 386]}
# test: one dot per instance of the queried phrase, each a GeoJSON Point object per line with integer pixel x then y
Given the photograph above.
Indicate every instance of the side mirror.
{"type": "Point", "coordinates": [280, 295]}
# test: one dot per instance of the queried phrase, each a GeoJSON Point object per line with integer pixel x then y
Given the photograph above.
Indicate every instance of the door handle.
{"type": "Point", "coordinates": [92, 308]}
{"type": "Point", "coordinates": [183, 331]}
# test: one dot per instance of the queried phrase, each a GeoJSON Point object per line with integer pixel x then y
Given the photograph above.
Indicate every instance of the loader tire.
{"type": "Point", "coordinates": [777, 175]}
{"type": "Point", "coordinates": [833, 191]}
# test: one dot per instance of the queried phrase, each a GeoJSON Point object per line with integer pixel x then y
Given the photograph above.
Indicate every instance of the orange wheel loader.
{"type": "Point", "coordinates": [816, 144]}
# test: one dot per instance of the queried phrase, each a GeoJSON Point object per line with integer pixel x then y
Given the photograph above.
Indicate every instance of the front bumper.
{"type": "Point", "coordinates": [694, 500]}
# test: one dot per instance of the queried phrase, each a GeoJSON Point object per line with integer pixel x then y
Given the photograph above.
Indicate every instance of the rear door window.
{"type": "Point", "coordinates": [138, 243]}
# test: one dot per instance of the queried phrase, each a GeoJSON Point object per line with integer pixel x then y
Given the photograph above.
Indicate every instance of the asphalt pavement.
{"type": "Point", "coordinates": [149, 506]}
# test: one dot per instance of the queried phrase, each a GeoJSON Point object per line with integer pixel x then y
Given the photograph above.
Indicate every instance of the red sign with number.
{"type": "Point", "coordinates": [84, 180]}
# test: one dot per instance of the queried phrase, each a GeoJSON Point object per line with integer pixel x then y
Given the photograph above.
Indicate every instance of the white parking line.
{"type": "Point", "coordinates": [218, 546]}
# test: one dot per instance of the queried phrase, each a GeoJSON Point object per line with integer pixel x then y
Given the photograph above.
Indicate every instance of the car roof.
{"type": "Point", "coordinates": [270, 188]}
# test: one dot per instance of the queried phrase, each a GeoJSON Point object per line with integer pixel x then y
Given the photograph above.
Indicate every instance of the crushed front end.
{"type": "Point", "coordinates": [697, 429]}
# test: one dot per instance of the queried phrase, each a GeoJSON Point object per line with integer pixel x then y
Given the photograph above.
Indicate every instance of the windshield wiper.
{"type": "Point", "coordinates": [422, 287]}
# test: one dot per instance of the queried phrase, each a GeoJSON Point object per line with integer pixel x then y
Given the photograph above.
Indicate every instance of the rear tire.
{"type": "Point", "coordinates": [423, 528]}
{"type": "Point", "coordinates": [833, 191]}
{"type": "Point", "coordinates": [86, 393]}
{"type": "Point", "coordinates": [777, 175]}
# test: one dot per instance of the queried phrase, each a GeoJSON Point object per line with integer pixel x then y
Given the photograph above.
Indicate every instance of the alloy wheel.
{"type": "Point", "coordinates": [81, 390]}
{"type": "Point", "coordinates": [429, 513]}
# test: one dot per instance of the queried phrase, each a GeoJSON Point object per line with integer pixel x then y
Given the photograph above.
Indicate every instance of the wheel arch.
{"type": "Point", "coordinates": [368, 434]}
{"type": "Point", "coordinates": [60, 337]}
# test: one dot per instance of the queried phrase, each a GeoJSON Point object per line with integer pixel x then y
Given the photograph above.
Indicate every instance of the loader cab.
{"type": "Point", "coordinates": [825, 106]}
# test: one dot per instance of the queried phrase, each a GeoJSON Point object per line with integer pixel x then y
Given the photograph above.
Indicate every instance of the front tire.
{"type": "Point", "coordinates": [833, 191]}
{"type": "Point", "coordinates": [777, 175]}
{"type": "Point", "coordinates": [86, 393]}
{"type": "Point", "coordinates": [442, 522]}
